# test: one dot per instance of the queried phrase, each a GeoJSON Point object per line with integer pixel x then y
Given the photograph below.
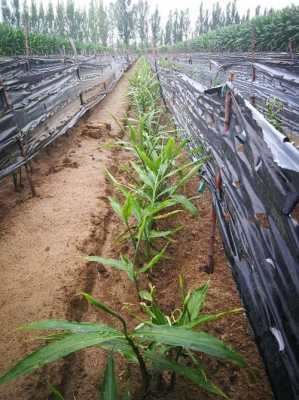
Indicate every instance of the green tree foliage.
{"type": "Point", "coordinates": [131, 23]}
{"type": "Point", "coordinates": [70, 19]}
{"type": "Point", "coordinates": [60, 18]}
{"type": "Point", "coordinates": [41, 19]}
{"type": "Point", "coordinates": [50, 18]}
{"type": "Point", "coordinates": [142, 22]}
{"type": "Point", "coordinates": [33, 16]}
{"type": "Point", "coordinates": [273, 32]}
{"type": "Point", "coordinates": [124, 16]}
{"type": "Point", "coordinates": [199, 27]}
{"type": "Point", "coordinates": [102, 21]}
{"type": "Point", "coordinates": [168, 29]}
{"type": "Point", "coordinates": [16, 12]}
{"type": "Point", "coordinates": [6, 12]}
{"type": "Point", "coordinates": [12, 42]}
{"type": "Point", "coordinates": [155, 27]}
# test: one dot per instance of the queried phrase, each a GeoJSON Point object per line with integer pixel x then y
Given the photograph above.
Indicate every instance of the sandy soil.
{"type": "Point", "coordinates": [43, 241]}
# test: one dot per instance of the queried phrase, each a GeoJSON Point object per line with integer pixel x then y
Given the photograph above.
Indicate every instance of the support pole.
{"type": "Point", "coordinates": [253, 47]}
{"type": "Point", "coordinates": [210, 265]}
{"type": "Point", "coordinates": [15, 181]}
{"type": "Point", "coordinates": [28, 175]}
{"type": "Point", "coordinates": [218, 182]}
{"type": "Point", "coordinates": [161, 90]}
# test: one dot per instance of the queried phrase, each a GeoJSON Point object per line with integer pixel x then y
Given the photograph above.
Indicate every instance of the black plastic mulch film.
{"type": "Point", "coordinates": [41, 98]}
{"type": "Point", "coordinates": [257, 207]}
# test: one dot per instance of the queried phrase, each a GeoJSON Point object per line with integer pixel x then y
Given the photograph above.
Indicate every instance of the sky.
{"type": "Point", "coordinates": [193, 5]}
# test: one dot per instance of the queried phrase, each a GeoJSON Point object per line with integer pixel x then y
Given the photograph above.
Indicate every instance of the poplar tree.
{"type": "Point", "coordinates": [124, 15]}
{"type": "Point", "coordinates": [142, 23]}
{"type": "Point", "coordinates": [168, 29]}
{"type": "Point", "coordinates": [6, 12]}
{"type": "Point", "coordinates": [16, 13]}
{"type": "Point", "coordinates": [60, 18]}
{"type": "Point", "coordinates": [155, 26]}
{"type": "Point", "coordinates": [34, 23]}
{"type": "Point", "coordinates": [49, 18]}
{"type": "Point", "coordinates": [199, 26]}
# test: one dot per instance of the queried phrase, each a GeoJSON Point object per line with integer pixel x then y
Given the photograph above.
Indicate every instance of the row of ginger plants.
{"type": "Point", "coordinates": [158, 342]}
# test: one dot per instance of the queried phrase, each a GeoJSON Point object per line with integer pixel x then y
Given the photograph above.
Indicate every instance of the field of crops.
{"type": "Point", "coordinates": [134, 292]}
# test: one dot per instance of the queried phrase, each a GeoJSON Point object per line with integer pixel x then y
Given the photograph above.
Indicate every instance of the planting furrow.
{"type": "Point", "coordinates": [44, 273]}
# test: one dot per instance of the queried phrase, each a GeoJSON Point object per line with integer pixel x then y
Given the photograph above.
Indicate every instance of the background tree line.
{"type": "Point", "coordinates": [121, 23]}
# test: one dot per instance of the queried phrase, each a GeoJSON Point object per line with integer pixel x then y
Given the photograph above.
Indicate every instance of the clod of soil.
{"type": "Point", "coordinates": [96, 131]}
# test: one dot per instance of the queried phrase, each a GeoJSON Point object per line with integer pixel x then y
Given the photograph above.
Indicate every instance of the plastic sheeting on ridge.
{"type": "Point", "coordinates": [41, 98]}
{"type": "Point", "coordinates": [276, 76]}
{"type": "Point", "coordinates": [257, 211]}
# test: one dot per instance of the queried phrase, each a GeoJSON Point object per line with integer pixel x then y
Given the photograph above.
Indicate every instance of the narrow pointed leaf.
{"type": "Point", "coordinates": [55, 394]}
{"type": "Point", "coordinates": [199, 341]}
{"type": "Point", "coordinates": [143, 175]}
{"type": "Point", "coordinates": [146, 160]}
{"type": "Point", "coordinates": [102, 306]}
{"type": "Point", "coordinates": [162, 234]}
{"type": "Point", "coordinates": [74, 327]}
{"type": "Point", "coordinates": [122, 264]}
{"type": "Point", "coordinates": [109, 385]}
{"type": "Point", "coordinates": [145, 295]}
{"type": "Point", "coordinates": [186, 203]}
{"type": "Point", "coordinates": [194, 304]}
{"type": "Point", "coordinates": [154, 260]}
{"type": "Point", "coordinates": [59, 349]}
{"type": "Point", "coordinates": [196, 376]}
{"type": "Point", "coordinates": [116, 206]}
{"type": "Point", "coordinates": [127, 208]}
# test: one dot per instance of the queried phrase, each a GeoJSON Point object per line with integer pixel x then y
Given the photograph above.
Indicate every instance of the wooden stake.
{"type": "Point", "coordinates": [210, 266]}
{"type": "Point", "coordinates": [15, 181]}
{"type": "Point", "coordinates": [227, 110]}
{"type": "Point", "coordinates": [32, 188]}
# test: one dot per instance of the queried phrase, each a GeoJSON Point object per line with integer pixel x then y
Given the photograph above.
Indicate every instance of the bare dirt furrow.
{"type": "Point", "coordinates": [43, 241]}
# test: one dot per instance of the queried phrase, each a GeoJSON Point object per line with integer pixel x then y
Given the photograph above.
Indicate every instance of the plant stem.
{"type": "Point", "coordinates": [173, 375]}
{"type": "Point", "coordinates": [143, 369]}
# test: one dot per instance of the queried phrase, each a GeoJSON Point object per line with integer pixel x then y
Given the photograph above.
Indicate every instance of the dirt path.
{"type": "Point", "coordinates": [43, 241]}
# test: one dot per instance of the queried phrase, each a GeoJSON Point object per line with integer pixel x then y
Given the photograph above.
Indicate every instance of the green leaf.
{"type": "Point", "coordinates": [61, 348]}
{"type": "Point", "coordinates": [154, 260]}
{"type": "Point", "coordinates": [55, 394]}
{"type": "Point", "coordinates": [199, 341]}
{"type": "Point", "coordinates": [156, 315]}
{"type": "Point", "coordinates": [193, 304]}
{"type": "Point", "coordinates": [162, 234]}
{"type": "Point", "coordinates": [169, 149]}
{"type": "Point", "coordinates": [189, 175]}
{"type": "Point", "coordinates": [162, 216]}
{"type": "Point", "coordinates": [136, 209]}
{"type": "Point", "coordinates": [74, 327]}
{"type": "Point", "coordinates": [186, 203]}
{"type": "Point", "coordinates": [127, 395]}
{"type": "Point", "coordinates": [116, 206]}
{"type": "Point", "coordinates": [123, 264]}
{"type": "Point", "coordinates": [146, 160]}
{"type": "Point", "coordinates": [143, 176]}
{"type": "Point", "coordinates": [145, 295]}
{"type": "Point", "coordinates": [102, 307]}
{"type": "Point", "coordinates": [127, 208]}
{"type": "Point", "coordinates": [196, 376]}
{"type": "Point", "coordinates": [210, 318]}
{"type": "Point", "coordinates": [109, 385]}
